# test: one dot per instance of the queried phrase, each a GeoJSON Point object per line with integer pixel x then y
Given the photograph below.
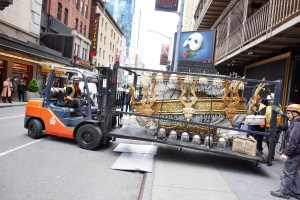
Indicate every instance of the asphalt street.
{"type": "Point", "coordinates": [56, 168]}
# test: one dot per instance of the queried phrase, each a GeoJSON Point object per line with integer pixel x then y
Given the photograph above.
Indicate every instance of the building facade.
{"type": "Point", "coordinates": [122, 11]}
{"type": "Point", "coordinates": [108, 39]}
{"type": "Point", "coordinates": [65, 28]}
{"type": "Point", "coordinates": [188, 14]}
{"type": "Point", "coordinates": [258, 39]}
{"type": "Point", "coordinates": [20, 52]}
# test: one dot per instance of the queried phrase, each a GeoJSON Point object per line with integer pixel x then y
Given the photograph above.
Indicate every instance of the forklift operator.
{"type": "Point", "coordinates": [72, 92]}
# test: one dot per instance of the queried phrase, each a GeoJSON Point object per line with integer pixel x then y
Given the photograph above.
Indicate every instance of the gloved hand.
{"type": "Point", "coordinates": [277, 110]}
{"type": "Point", "coordinates": [254, 109]}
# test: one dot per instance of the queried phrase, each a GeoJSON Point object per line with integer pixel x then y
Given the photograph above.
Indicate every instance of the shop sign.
{"type": "Point", "coordinates": [80, 61]}
{"type": "Point", "coordinates": [94, 35]}
{"type": "Point", "coordinates": [45, 69]}
{"type": "Point", "coordinates": [20, 67]}
{"type": "Point", "coordinates": [84, 62]}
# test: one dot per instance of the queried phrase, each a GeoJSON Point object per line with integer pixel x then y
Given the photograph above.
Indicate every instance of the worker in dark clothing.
{"type": "Point", "coordinates": [127, 100]}
{"type": "Point", "coordinates": [290, 182]}
{"type": "Point", "coordinates": [258, 109]}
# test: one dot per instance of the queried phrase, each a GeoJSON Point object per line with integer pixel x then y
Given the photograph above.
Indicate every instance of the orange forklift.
{"type": "Point", "coordinates": [88, 123]}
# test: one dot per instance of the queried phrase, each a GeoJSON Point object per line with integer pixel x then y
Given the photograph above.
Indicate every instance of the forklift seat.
{"type": "Point", "coordinates": [64, 112]}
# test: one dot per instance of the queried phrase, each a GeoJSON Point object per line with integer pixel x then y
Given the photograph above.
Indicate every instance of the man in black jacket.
{"type": "Point", "coordinates": [290, 182]}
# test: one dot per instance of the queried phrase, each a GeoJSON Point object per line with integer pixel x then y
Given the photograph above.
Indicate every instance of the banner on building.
{"type": "Point", "coordinates": [164, 54]}
{"type": "Point", "coordinates": [94, 35]}
{"type": "Point", "coordinates": [196, 45]}
{"type": "Point", "coordinates": [166, 5]}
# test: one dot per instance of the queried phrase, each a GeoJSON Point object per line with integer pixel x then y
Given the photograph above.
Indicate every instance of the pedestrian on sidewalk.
{"type": "Point", "coordinates": [127, 100]}
{"type": "Point", "coordinates": [14, 83]}
{"type": "Point", "coordinates": [6, 91]}
{"type": "Point", "coordinates": [290, 182]}
{"type": "Point", "coordinates": [21, 90]}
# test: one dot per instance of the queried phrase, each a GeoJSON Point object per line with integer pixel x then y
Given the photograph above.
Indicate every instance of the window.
{"type": "Point", "coordinates": [85, 11]}
{"type": "Point", "coordinates": [99, 52]}
{"type": "Point", "coordinates": [77, 4]}
{"type": "Point", "coordinates": [101, 37]}
{"type": "Point", "coordinates": [103, 54]}
{"type": "Point", "coordinates": [114, 36]}
{"type": "Point", "coordinates": [105, 25]}
{"type": "Point", "coordinates": [76, 24]}
{"type": "Point", "coordinates": [110, 46]}
{"type": "Point", "coordinates": [104, 39]}
{"type": "Point", "coordinates": [84, 30]}
{"type": "Point", "coordinates": [59, 6]}
{"type": "Point", "coordinates": [102, 22]}
{"type": "Point", "coordinates": [84, 53]}
{"type": "Point", "coordinates": [44, 5]}
{"type": "Point", "coordinates": [81, 7]}
{"type": "Point", "coordinates": [66, 16]}
{"type": "Point", "coordinates": [80, 27]}
{"type": "Point", "coordinates": [113, 47]}
{"type": "Point", "coordinates": [111, 33]}
{"type": "Point", "coordinates": [75, 49]}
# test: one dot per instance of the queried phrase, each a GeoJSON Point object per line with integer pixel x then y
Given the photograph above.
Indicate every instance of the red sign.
{"type": "Point", "coordinates": [94, 38]}
{"type": "Point", "coordinates": [164, 54]}
{"type": "Point", "coordinates": [166, 5]}
{"type": "Point", "coordinates": [117, 58]}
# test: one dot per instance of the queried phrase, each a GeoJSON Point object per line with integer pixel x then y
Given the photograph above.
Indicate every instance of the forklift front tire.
{"type": "Point", "coordinates": [35, 128]}
{"type": "Point", "coordinates": [89, 137]}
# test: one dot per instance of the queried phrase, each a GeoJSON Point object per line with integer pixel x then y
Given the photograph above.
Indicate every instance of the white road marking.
{"type": "Point", "coordinates": [19, 147]}
{"type": "Point", "coordinates": [12, 117]}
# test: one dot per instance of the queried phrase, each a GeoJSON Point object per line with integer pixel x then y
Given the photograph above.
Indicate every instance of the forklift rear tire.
{"type": "Point", "coordinates": [89, 137]}
{"type": "Point", "coordinates": [35, 128]}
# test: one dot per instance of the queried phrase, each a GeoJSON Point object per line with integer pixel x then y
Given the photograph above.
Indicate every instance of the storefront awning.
{"type": "Point", "coordinates": [36, 52]}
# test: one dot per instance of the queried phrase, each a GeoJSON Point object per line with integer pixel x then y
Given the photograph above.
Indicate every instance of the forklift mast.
{"type": "Point", "coordinates": [107, 97]}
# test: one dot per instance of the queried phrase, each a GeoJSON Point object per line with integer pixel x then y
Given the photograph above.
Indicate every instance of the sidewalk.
{"type": "Point", "coordinates": [14, 103]}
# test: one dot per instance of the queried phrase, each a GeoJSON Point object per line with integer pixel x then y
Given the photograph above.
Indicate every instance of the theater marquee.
{"type": "Point", "coordinates": [166, 5]}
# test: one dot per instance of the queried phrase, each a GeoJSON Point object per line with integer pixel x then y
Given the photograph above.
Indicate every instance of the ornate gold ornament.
{"type": "Point", "coordinates": [224, 106]}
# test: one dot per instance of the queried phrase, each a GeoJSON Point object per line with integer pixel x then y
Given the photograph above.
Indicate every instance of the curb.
{"type": "Point", "coordinates": [5, 105]}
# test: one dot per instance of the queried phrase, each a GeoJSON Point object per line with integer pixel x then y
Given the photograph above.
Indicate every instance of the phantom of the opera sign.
{"type": "Point", "coordinates": [166, 5]}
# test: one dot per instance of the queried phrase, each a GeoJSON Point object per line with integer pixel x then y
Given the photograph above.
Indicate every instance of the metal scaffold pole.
{"type": "Point", "coordinates": [179, 28]}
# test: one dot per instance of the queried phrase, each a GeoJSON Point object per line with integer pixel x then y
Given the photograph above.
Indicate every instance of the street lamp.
{"type": "Point", "coordinates": [161, 34]}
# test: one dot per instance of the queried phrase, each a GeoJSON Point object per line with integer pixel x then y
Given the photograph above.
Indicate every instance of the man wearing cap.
{"type": "Point", "coordinates": [72, 91]}
{"type": "Point", "coordinates": [258, 109]}
{"type": "Point", "coordinates": [290, 182]}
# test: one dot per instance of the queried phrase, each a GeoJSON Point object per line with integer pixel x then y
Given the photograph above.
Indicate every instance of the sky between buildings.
{"type": "Point", "coordinates": [150, 42]}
